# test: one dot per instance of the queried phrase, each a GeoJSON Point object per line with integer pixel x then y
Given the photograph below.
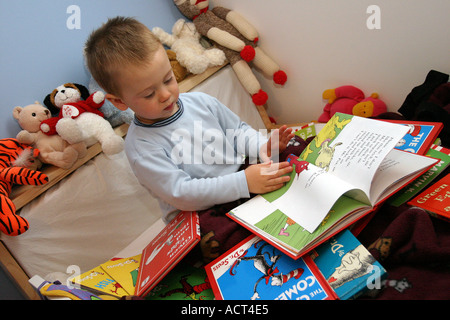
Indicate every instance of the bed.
{"type": "Point", "coordinates": [90, 213]}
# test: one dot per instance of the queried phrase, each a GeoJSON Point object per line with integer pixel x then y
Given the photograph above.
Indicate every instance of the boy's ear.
{"type": "Point", "coordinates": [116, 101]}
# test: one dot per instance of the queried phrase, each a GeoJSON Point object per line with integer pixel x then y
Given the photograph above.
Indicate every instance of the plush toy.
{"type": "Point", "coordinates": [80, 120]}
{"type": "Point", "coordinates": [185, 42]}
{"type": "Point", "coordinates": [350, 100]}
{"type": "Point", "coordinates": [113, 115]}
{"type": "Point", "coordinates": [179, 71]}
{"type": "Point", "coordinates": [53, 149]}
{"type": "Point", "coordinates": [15, 160]}
{"type": "Point", "coordinates": [237, 38]}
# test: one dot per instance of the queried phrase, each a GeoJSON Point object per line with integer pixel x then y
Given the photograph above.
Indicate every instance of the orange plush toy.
{"type": "Point", "coordinates": [237, 38]}
{"type": "Point", "coordinates": [16, 161]}
{"type": "Point", "coordinates": [351, 100]}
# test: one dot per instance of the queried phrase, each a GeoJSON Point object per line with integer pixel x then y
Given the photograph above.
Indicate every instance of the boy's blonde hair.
{"type": "Point", "coordinates": [118, 43]}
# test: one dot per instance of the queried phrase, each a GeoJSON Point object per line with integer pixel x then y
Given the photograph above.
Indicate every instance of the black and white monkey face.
{"type": "Point", "coordinates": [66, 94]}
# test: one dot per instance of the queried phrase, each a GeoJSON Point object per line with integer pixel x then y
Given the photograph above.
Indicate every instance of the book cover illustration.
{"type": "Point", "coordinates": [306, 131]}
{"type": "Point", "coordinates": [186, 281]}
{"type": "Point", "coordinates": [435, 199]}
{"type": "Point", "coordinates": [97, 280]}
{"type": "Point", "coordinates": [255, 270]}
{"type": "Point", "coordinates": [124, 271]}
{"type": "Point", "coordinates": [419, 137]}
{"type": "Point", "coordinates": [167, 249]}
{"type": "Point", "coordinates": [348, 266]}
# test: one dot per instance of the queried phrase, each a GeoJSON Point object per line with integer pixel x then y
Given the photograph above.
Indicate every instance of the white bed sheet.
{"type": "Point", "coordinates": [99, 210]}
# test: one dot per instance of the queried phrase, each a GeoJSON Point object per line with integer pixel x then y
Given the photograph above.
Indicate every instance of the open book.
{"type": "Point", "coordinates": [343, 174]}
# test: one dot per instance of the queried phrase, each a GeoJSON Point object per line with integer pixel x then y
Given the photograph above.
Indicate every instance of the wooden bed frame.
{"type": "Point", "coordinates": [21, 195]}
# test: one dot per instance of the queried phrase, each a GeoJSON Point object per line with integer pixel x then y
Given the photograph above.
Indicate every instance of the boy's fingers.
{"type": "Point", "coordinates": [276, 169]}
{"type": "Point", "coordinates": [277, 183]}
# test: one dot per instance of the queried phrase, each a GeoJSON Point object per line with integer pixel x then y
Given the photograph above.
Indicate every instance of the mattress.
{"type": "Point", "coordinates": [100, 209]}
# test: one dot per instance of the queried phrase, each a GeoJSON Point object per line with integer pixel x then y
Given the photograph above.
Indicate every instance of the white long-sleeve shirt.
{"type": "Point", "coordinates": [191, 160]}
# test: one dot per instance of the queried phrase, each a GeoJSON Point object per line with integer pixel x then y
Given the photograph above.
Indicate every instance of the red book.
{"type": "Point", "coordinates": [435, 199]}
{"type": "Point", "coordinates": [166, 250]}
{"type": "Point", "coordinates": [420, 137]}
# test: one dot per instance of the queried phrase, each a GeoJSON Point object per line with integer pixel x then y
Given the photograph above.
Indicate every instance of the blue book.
{"type": "Point", "coordinates": [255, 270]}
{"type": "Point", "coordinates": [348, 266]}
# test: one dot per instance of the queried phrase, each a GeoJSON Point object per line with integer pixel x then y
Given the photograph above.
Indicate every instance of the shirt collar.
{"type": "Point", "coordinates": [164, 122]}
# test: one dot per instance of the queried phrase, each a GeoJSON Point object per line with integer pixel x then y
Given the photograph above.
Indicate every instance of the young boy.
{"type": "Point", "coordinates": [186, 149]}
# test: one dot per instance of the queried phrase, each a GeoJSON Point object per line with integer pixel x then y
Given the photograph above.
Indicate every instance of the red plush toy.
{"type": "Point", "coordinates": [351, 100]}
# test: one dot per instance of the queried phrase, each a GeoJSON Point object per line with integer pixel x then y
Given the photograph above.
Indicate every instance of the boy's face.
{"type": "Point", "coordinates": [150, 90]}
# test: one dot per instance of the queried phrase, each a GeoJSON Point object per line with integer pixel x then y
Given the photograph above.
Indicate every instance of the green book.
{"type": "Point", "coordinates": [424, 180]}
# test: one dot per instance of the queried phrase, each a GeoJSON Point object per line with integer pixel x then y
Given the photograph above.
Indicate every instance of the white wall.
{"type": "Point", "coordinates": [323, 44]}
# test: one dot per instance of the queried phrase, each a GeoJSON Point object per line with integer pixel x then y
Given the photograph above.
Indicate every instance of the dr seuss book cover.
{"type": "Point", "coordinates": [167, 249]}
{"type": "Point", "coordinates": [435, 199]}
{"type": "Point", "coordinates": [255, 270]}
{"type": "Point", "coordinates": [348, 266]}
{"type": "Point", "coordinates": [420, 135]}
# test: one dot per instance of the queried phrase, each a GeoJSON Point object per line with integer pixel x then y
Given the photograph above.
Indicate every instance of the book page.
{"type": "Point", "coordinates": [310, 197]}
{"type": "Point", "coordinates": [396, 166]}
{"type": "Point", "coordinates": [352, 148]}
{"type": "Point", "coordinates": [306, 199]}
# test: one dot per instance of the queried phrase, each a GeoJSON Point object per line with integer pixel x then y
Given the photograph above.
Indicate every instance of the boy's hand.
{"type": "Point", "coordinates": [266, 177]}
{"type": "Point", "coordinates": [277, 143]}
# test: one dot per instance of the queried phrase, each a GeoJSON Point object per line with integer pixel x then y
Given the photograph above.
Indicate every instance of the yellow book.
{"type": "Point", "coordinates": [124, 271]}
{"type": "Point", "coordinates": [98, 281]}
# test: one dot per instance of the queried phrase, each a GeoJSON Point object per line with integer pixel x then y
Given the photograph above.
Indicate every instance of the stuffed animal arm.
{"type": "Point", "coordinates": [242, 25]}
{"type": "Point", "coordinates": [343, 92]}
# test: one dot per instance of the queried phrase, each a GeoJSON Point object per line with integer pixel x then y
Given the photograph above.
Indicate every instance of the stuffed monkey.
{"type": "Point", "coordinates": [237, 38]}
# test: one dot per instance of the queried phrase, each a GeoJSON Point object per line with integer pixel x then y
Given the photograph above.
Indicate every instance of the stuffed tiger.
{"type": "Point", "coordinates": [15, 158]}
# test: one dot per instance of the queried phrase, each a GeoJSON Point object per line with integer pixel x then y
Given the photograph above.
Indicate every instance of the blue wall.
{"type": "Point", "coordinates": [42, 41]}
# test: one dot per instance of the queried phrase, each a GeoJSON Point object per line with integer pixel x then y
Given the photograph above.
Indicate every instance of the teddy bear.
{"type": "Point", "coordinates": [237, 38]}
{"type": "Point", "coordinates": [16, 159]}
{"type": "Point", "coordinates": [179, 71]}
{"type": "Point", "coordinates": [53, 149]}
{"type": "Point", "coordinates": [351, 100]}
{"type": "Point", "coordinates": [185, 42]}
{"type": "Point", "coordinates": [80, 120]}
{"type": "Point", "coordinates": [113, 115]}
